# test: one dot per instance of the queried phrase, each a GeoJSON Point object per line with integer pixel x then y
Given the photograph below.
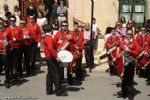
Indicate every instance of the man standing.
{"type": "Point", "coordinates": [96, 31]}
{"type": "Point", "coordinates": [77, 48]}
{"type": "Point", "coordinates": [87, 35]}
{"type": "Point", "coordinates": [26, 46]}
{"type": "Point", "coordinates": [5, 41]}
{"type": "Point", "coordinates": [35, 39]}
{"type": "Point", "coordinates": [61, 38]}
{"type": "Point", "coordinates": [52, 63]}
{"type": "Point", "coordinates": [15, 52]}
{"type": "Point", "coordinates": [131, 51]}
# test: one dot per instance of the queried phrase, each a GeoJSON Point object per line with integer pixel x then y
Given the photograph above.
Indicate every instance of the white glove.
{"type": "Point", "coordinates": [14, 39]}
{"type": "Point", "coordinates": [28, 37]}
{"type": "Point", "coordinates": [5, 43]}
{"type": "Point", "coordinates": [39, 45]}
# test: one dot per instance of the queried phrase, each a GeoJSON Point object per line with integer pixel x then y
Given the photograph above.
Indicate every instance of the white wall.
{"type": "Point", "coordinates": [11, 4]}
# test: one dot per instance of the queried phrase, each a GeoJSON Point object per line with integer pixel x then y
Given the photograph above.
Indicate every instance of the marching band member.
{"type": "Point", "coordinates": [142, 59]}
{"type": "Point", "coordinates": [111, 45]}
{"type": "Point", "coordinates": [77, 48]}
{"type": "Point", "coordinates": [5, 41]}
{"type": "Point", "coordinates": [148, 67]}
{"type": "Point", "coordinates": [26, 46]}
{"type": "Point", "coordinates": [35, 39]}
{"type": "Point", "coordinates": [15, 53]}
{"type": "Point", "coordinates": [130, 52]}
{"type": "Point", "coordinates": [62, 40]}
{"type": "Point", "coordinates": [52, 63]}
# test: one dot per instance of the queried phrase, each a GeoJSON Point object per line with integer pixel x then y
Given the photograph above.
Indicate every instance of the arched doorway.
{"type": "Point", "coordinates": [23, 4]}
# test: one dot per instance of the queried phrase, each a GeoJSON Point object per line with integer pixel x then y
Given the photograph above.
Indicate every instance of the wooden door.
{"type": "Point", "coordinates": [23, 4]}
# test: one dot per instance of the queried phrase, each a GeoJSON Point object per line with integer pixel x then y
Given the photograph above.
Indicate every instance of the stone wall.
{"type": "Point", "coordinates": [11, 4]}
{"type": "Point", "coordinates": [148, 9]}
{"type": "Point", "coordinates": [105, 11]}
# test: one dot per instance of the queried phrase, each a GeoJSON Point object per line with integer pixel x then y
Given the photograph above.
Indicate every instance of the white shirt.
{"type": "Point", "coordinates": [95, 28]}
{"type": "Point", "coordinates": [41, 22]}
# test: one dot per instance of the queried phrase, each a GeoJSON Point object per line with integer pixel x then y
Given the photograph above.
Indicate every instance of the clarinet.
{"type": "Point", "coordinates": [127, 58]}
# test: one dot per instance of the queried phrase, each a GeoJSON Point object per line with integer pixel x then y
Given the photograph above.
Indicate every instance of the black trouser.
{"type": "Point", "coordinates": [128, 77]}
{"type": "Point", "coordinates": [89, 60]}
{"type": "Point", "coordinates": [113, 69]}
{"type": "Point", "coordinates": [14, 61]}
{"type": "Point", "coordinates": [3, 62]}
{"type": "Point", "coordinates": [33, 54]}
{"type": "Point", "coordinates": [1, 68]}
{"type": "Point", "coordinates": [38, 54]}
{"type": "Point", "coordinates": [53, 76]}
{"type": "Point", "coordinates": [79, 69]}
{"type": "Point", "coordinates": [20, 63]}
{"type": "Point", "coordinates": [148, 72]}
{"type": "Point", "coordinates": [61, 70]}
{"type": "Point", "coordinates": [27, 59]}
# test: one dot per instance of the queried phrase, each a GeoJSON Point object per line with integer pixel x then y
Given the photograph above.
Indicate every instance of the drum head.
{"type": "Point", "coordinates": [65, 56]}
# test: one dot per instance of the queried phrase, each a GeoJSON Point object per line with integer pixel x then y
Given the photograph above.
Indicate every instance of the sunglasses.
{"type": "Point", "coordinates": [13, 20]}
{"type": "Point", "coordinates": [142, 29]}
{"type": "Point", "coordinates": [129, 34]}
{"type": "Point", "coordinates": [64, 25]}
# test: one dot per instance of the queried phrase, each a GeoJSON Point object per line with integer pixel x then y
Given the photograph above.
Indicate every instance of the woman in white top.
{"type": "Point", "coordinates": [41, 20]}
{"type": "Point", "coordinates": [17, 14]}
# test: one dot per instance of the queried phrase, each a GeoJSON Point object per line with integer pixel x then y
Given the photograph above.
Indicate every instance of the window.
{"type": "Point", "coordinates": [133, 10]}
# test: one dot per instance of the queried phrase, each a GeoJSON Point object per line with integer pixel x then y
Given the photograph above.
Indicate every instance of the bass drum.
{"type": "Point", "coordinates": [65, 56]}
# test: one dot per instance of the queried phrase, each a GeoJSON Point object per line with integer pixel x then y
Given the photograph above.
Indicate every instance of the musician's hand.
{"type": "Point", "coordinates": [60, 41]}
{"type": "Point", "coordinates": [69, 37]}
{"type": "Point", "coordinates": [14, 39]}
{"type": "Point", "coordinates": [38, 45]}
{"type": "Point", "coordinates": [58, 59]}
{"type": "Point", "coordinates": [5, 43]}
{"type": "Point", "coordinates": [28, 37]}
{"type": "Point", "coordinates": [127, 49]}
{"type": "Point", "coordinates": [76, 47]}
{"type": "Point", "coordinates": [114, 59]}
{"type": "Point", "coordinates": [145, 53]}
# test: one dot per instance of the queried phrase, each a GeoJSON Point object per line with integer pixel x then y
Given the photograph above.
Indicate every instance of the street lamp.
{"type": "Point", "coordinates": [91, 37]}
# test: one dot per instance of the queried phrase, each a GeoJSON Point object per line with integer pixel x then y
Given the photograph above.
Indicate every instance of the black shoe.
{"type": "Point", "coordinates": [148, 82]}
{"type": "Point", "coordinates": [70, 79]}
{"type": "Point", "coordinates": [7, 85]}
{"type": "Point", "coordinates": [49, 93]}
{"type": "Point", "coordinates": [122, 95]}
{"type": "Point", "coordinates": [134, 83]}
{"type": "Point", "coordinates": [62, 94]}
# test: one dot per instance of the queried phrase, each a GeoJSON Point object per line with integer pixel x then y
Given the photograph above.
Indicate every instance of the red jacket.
{"type": "Point", "coordinates": [48, 46]}
{"type": "Point", "coordinates": [16, 33]}
{"type": "Point", "coordinates": [4, 36]}
{"type": "Point", "coordinates": [35, 32]}
{"type": "Point", "coordinates": [26, 31]}
{"type": "Point", "coordinates": [77, 40]}
{"type": "Point", "coordinates": [143, 41]}
{"type": "Point", "coordinates": [59, 36]}
{"type": "Point", "coordinates": [134, 48]}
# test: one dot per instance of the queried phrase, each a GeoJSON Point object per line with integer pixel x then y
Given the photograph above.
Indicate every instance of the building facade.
{"type": "Point", "coordinates": [106, 12]}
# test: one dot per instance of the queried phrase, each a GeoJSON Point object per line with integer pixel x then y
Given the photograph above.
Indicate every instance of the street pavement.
{"type": "Point", "coordinates": [98, 85]}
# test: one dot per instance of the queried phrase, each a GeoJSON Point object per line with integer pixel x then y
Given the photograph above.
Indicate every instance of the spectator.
{"type": "Point", "coordinates": [55, 27]}
{"type": "Point", "coordinates": [31, 10]}
{"type": "Point", "coordinates": [5, 10]}
{"type": "Point", "coordinates": [41, 20]}
{"type": "Point", "coordinates": [96, 31]}
{"type": "Point", "coordinates": [43, 9]}
{"type": "Point", "coordinates": [54, 11]}
{"type": "Point", "coordinates": [62, 12]}
{"type": "Point", "coordinates": [123, 21]}
{"type": "Point", "coordinates": [17, 14]}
